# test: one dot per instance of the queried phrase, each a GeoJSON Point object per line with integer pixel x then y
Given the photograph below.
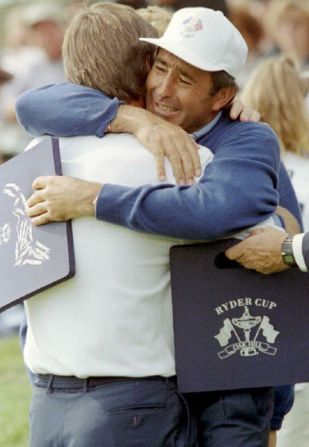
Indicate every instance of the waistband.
{"type": "Point", "coordinates": [53, 382]}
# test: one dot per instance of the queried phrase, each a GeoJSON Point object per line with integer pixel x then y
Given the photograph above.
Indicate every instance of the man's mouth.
{"type": "Point", "coordinates": [165, 110]}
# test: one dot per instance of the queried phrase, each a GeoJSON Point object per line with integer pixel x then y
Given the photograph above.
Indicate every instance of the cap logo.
{"type": "Point", "coordinates": [191, 26]}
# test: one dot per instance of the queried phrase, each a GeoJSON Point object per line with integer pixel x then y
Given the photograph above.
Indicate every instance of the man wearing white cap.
{"type": "Point", "coordinates": [192, 79]}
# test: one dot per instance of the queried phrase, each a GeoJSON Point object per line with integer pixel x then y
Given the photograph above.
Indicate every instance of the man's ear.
{"type": "Point", "coordinates": [223, 98]}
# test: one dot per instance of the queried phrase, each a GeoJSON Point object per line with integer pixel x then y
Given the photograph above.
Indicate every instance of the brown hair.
{"type": "Point", "coordinates": [277, 91]}
{"type": "Point", "coordinates": [221, 79]}
{"type": "Point", "coordinates": [101, 50]}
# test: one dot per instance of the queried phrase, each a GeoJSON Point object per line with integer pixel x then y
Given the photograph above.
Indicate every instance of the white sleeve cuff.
{"type": "Point", "coordinates": [297, 247]}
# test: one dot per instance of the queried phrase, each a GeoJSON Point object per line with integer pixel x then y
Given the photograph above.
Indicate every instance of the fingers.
{"type": "Point", "coordinates": [247, 114]}
{"type": "Point", "coordinates": [243, 112]}
{"type": "Point", "coordinates": [160, 165]}
{"type": "Point", "coordinates": [255, 116]}
{"type": "Point", "coordinates": [236, 108]}
{"type": "Point", "coordinates": [194, 150]}
{"type": "Point", "coordinates": [37, 210]}
{"type": "Point", "coordinates": [177, 165]}
{"type": "Point", "coordinates": [184, 158]}
{"type": "Point", "coordinates": [36, 198]}
{"type": "Point", "coordinates": [234, 253]}
{"type": "Point", "coordinates": [176, 145]}
{"type": "Point", "coordinates": [41, 220]}
{"type": "Point", "coordinates": [41, 182]}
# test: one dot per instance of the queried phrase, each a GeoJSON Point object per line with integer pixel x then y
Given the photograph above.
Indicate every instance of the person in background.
{"type": "Point", "coordinates": [158, 17]}
{"type": "Point", "coordinates": [133, 3]}
{"type": "Point", "coordinates": [175, 5]}
{"type": "Point", "coordinates": [277, 89]}
{"type": "Point", "coordinates": [287, 23]}
{"type": "Point", "coordinates": [35, 35]}
{"type": "Point", "coordinates": [4, 78]}
{"type": "Point", "coordinates": [252, 29]}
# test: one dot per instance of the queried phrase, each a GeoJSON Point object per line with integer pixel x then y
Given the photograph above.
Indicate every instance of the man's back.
{"type": "Point", "coordinates": [114, 318]}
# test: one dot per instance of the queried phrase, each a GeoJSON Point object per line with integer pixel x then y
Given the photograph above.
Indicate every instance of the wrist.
{"type": "Point", "coordinates": [287, 252]}
{"type": "Point", "coordinates": [126, 120]}
{"type": "Point", "coordinates": [89, 200]}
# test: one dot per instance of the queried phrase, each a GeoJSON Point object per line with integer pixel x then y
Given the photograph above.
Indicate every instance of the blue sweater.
{"type": "Point", "coordinates": [241, 187]}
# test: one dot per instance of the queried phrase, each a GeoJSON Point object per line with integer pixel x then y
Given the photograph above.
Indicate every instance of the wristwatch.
{"type": "Point", "coordinates": [287, 251]}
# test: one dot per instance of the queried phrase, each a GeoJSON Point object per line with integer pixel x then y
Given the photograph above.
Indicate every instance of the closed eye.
{"type": "Point", "coordinates": [160, 68]}
{"type": "Point", "coordinates": [185, 81]}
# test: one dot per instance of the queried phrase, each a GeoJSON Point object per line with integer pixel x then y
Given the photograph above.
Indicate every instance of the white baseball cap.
{"type": "Point", "coordinates": [205, 39]}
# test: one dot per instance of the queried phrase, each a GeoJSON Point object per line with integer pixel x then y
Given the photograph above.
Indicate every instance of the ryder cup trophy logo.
{"type": "Point", "coordinates": [28, 250]}
{"type": "Point", "coordinates": [247, 335]}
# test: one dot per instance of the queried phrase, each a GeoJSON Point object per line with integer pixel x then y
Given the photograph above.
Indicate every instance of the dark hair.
{"type": "Point", "coordinates": [220, 80]}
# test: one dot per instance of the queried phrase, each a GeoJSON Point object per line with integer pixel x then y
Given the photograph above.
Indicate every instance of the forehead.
{"type": "Point", "coordinates": [176, 63]}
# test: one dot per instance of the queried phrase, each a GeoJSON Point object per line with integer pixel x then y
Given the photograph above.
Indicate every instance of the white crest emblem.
{"type": "Point", "coordinates": [27, 249]}
{"type": "Point", "coordinates": [246, 331]}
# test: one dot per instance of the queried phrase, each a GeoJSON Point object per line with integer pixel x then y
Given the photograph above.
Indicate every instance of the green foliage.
{"type": "Point", "coordinates": [15, 394]}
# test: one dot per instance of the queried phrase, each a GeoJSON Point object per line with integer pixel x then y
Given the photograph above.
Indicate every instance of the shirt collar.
{"type": "Point", "coordinates": [200, 133]}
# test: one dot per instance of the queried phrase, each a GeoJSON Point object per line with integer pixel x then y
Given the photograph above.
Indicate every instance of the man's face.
{"type": "Point", "coordinates": [179, 92]}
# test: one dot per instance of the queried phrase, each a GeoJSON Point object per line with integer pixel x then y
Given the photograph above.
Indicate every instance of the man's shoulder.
{"type": "Point", "coordinates": [247, 133]}
{"type": "Point", "coordinates": [259, 129]}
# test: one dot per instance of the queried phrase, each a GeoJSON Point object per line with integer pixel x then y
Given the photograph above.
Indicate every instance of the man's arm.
{"type": "Point", "coordinates": [236, 191]}
{"type": "Point", "coordinates": [69, 109]}
{"type": "Point", "coordinates": [262, 251]}
{"type": "Point", "coordinates": [65, 110]}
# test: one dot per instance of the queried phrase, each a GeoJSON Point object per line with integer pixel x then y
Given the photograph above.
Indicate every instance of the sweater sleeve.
{"type": "Point", "coordinates": [65, 110]}
{"type": "Point", "coordinates": [236, 191]}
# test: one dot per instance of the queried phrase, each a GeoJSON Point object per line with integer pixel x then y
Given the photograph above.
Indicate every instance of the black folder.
{"type": "Point", "coordinates": [235, 328]}
{"type": "Point", "coordinates": [31, 258]}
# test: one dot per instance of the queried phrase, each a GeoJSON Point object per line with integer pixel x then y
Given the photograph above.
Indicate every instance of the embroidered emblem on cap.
{"type": "Point", "coordinates": [191, 26]}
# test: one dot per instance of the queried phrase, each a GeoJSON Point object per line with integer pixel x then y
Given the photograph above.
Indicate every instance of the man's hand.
{"type": "Point", "coordinates": [162, 139]}
{"type": "Point", "coordinates": [165, 139]}
{"type": "Point", "coordinates": [242, 112]}
{"type": "Point", "coordinates": [61, 198]}
{"type": "Point", "coordinates": [261, 251]}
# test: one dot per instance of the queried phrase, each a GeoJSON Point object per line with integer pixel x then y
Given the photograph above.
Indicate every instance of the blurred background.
{"type": "Point", "coordinates": [31, 34]}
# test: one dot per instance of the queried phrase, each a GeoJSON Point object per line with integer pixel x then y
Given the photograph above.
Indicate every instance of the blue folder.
{"type": "Point", "coordinates": [31, 258]}
{"type": "Point", "coordinates": [235, 328]}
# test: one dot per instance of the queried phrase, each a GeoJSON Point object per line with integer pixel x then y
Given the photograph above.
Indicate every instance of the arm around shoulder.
{"type": "Point", "coordinates": [237, 190]}
{"type": "Point", "coordinates": [65, 110]}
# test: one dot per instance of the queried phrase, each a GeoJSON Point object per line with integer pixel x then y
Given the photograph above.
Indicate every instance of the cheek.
{"type": "Point", "coordinates": [151, 81]}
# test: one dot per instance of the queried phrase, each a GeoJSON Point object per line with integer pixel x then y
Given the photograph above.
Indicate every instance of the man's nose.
{"type": "Point", "coordinates": [165, 89]}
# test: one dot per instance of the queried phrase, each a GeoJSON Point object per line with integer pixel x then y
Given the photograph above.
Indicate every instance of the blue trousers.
{"type": "Point", "coordinates": [68, 412]}
{"type": "Point", "coordinates": [238, 418]}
